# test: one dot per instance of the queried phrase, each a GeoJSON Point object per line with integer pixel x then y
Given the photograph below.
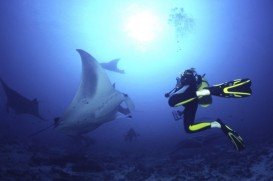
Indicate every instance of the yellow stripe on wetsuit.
{"type": "Point", "coordinates": [184, 102]}
{"type": "Point", "coordinates": [198, 126]}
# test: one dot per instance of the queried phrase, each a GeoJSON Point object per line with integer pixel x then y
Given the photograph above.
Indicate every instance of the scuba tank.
{"type": "Point", "coordinates": [204, 101]}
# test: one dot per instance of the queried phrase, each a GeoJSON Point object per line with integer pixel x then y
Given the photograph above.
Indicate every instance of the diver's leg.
{"type": "Point", "coordinates": [191, 127]}
{"type": "Point", "coordinates": [189, 117]}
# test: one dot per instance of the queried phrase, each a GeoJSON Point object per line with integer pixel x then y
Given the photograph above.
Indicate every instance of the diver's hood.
{"type": "Point", "coordinates": [189, 77]}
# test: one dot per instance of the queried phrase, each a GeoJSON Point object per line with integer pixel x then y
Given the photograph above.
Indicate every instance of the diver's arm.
{"type": "Point", "coordinates": [178, 86]}
{"type": "Point", "coordinates": [169, 93]}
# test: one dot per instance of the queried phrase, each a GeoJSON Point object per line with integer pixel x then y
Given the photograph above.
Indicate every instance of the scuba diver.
{"type": "Point", "coordinates": [192, 89]}
{"type": "Point", "coordinates": [130, 135]}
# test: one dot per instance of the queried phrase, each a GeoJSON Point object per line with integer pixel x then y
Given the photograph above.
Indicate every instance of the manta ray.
{"type": "Point", "coordinates": [95, 102]}
{"type": "Point", "coordinates": [19, 103]}
{"type": "Point", "coordinates": [112, 66]}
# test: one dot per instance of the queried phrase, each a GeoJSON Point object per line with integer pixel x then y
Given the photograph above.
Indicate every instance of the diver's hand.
{"type": "Point", "coordinates": [167, 95]}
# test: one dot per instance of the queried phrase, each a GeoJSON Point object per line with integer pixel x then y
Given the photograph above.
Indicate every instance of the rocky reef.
{"type": "Point", "coordinates": [20, 161]}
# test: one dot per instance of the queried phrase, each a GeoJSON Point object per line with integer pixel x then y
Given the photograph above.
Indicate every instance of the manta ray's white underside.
{"type": "Point", "coordinates": [95, 102]}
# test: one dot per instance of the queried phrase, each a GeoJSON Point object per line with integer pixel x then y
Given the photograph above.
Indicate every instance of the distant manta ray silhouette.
{"type": "Point", "coordinates": [112, 66]}
{"type": "Point", "coordinates": [96, 101]}
{"type": "Point", "coordinates": [19, 103]}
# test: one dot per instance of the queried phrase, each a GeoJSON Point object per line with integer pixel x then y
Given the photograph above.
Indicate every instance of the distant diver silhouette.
{"type": "Point", "coordinates": [130, 135]}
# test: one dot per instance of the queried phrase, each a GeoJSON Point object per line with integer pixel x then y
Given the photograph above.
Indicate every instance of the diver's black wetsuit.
{"type": "Point", "coordinates": [190, 105]}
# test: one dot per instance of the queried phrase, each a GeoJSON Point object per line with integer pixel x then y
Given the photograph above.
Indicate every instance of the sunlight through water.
{"type": "Point", "coordinates": [143, 26]}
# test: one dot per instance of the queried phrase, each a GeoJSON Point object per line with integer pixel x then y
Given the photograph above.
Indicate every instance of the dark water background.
{"type": "Point", "coordinates": [229, 40]}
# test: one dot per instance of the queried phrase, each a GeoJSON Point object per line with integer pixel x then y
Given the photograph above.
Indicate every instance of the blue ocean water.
{"type": "Point", "coordinates": [156, 41]}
